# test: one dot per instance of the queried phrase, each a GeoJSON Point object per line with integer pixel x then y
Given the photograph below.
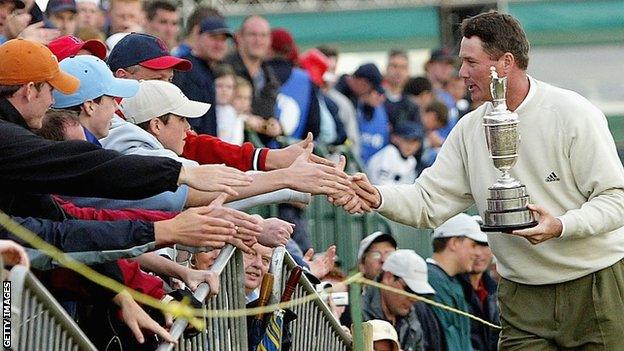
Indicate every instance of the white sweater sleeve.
{"type": "Point", "coordinates": [598, 174]}
{"type": "Point", "coordinates": [440, 192]}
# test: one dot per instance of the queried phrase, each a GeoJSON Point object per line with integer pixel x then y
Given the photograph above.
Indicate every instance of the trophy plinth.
{"type": "Point", "coordinates": [507, 202]}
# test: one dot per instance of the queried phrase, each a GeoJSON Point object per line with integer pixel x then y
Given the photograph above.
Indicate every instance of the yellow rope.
{"type": "Point", "coordinates": [425, 300]}
{"type": "Point", "coordinates": [183, 310]}
{"type": "Point", "coordinates": [174, 308]}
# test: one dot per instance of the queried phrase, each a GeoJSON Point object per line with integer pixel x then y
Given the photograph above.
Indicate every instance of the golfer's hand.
{"type": "Point", "coordinates": [548, 227]}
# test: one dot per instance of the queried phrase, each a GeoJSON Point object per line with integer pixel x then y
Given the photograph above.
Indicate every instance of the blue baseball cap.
{"type": "Point", "coordinates": [96, 80]}
{"type": "Point", "coordinates": [371, 73]}
{"type": "Point", "coordinates": [145, 50]}
{"type": "Point", "coordinates": [55, 6]}
{"type": "Point", "coordinates": [215, 25]}
{"type": "Point", "coordinates": [409, 130]}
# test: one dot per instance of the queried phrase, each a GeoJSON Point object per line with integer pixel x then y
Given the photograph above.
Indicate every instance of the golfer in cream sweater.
{"type": "Point", "coordinates": [563, 280]}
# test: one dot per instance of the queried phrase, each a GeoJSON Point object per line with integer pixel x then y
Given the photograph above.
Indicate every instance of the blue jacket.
{"type": "Point", "coordinates": [483, 337]}
{"type": "Point", "coordinates": [198, 84]}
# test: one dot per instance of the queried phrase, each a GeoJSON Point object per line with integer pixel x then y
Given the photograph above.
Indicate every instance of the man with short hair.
{"type": "Point", "coordinates": [191, 29]}
{"type": "Point", "coordinates": [480, 293]}
{"type": "Point", "coordinates": [403, 270]}
{"type": "Point", "coordinates": [89, 14]}
{"type": "Point", "coordinates": [253, 42]}
{"type": "Point", "coordinates": [163, 21]}
{"type": "Point", "coordinates": [62, 14]}
{"type": "Point", "coordinates": [373, 251]}
{"type": "Point", "coordinates": [552, 282]}
{"type": "Point", "coordinates": [198, 83]}
{"type": "Point", "coordinates": [256, 265]}
{"type": "Point", "coordinates": [6, 9]}
{"type": "Point", "coordinates": [398, 106]}
{"type": "Point", "coordinates": [126, 16]}
{"type": "Point", "coordinates": [454, 251]}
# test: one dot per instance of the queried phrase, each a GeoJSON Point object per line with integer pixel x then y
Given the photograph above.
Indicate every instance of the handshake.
{"type": "Point", "coordinates": [360, 196]}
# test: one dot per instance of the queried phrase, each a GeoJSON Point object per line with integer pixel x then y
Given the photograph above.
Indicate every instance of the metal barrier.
{"type": "Point", "coordinates": [315, 328]}
{"type": "Point", "coordinates": [228, 334]}
{"type": "Point", "coordinates": [38, 322]}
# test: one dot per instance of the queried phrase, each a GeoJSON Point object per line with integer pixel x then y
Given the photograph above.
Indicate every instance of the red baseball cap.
{"type": "Point", "coordinates": [68, 46]}
{"type": "Point", "coordinates": [283, 42]}
{"type": "Point", "coordinates": [316, 64]}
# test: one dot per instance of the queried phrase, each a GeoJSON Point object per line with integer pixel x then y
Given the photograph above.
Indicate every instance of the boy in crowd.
{"type": "Point", "coordinates": [230, 126]}
{"type": "Point", "coordinates": [434, 120]}
{"type": "Point", "coordinates": [454, 249]}
{"type": "Point", "coordinates": [396, 163]}
{"type": "Point", "coordinates": [62, 14]}
{"type": "Point", "coordinates": [95, 100]}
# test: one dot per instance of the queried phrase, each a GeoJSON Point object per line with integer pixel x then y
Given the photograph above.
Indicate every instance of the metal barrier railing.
{"type": "Point", "coordinates": [227, 334]}
{"type": "Point", "coordinates": [220, 333]}
{"type": "Point", "coordinates": [315, 328]}
{"type": "Point", "coordinates": [38, 322]}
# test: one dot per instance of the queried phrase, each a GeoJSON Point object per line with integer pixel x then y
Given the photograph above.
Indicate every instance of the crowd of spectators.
{"type": "Point", "coordinates": [143, 129]}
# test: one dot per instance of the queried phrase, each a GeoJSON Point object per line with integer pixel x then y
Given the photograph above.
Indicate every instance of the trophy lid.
{"type": "Point", "coordinates": [498, 89]}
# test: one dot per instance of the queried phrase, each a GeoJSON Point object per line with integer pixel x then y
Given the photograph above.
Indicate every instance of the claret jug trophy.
{"type": "Point", "coordinates": [508, 199]}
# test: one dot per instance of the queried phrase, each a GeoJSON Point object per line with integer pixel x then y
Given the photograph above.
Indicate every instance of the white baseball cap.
{"type": "Point", "coordinates": [461, 225]}
{"type": "Point", "coordinates": [406, 264]}
{"type": "Point", "coordinates": [383, 330]}
{"type": "Point", "coordinates": [157, 98]}
{"type": "Point", "coordinates": [374, 237]}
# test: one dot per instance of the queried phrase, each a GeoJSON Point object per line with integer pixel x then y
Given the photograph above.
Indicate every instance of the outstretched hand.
{"type": "Point", "coordinates": [213, 178]}
{"type": "Point", "coordinates": [309, 177]}
{"type": "Point", "coordinates": [548, 226]}
{"type": "Point", "coordinates": [283, 158]}
{"type": "Point", "coordinates": [323, 264]}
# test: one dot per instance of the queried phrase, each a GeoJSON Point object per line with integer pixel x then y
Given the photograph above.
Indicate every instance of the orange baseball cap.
{"type": "Point", "coordinates": [23, 61]}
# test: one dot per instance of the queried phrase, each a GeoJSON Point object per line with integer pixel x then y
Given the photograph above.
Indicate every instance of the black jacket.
{"type": "Point", "coordinates": [483, 337]}
{"type": "Point", "coordinates": [263, 103]}
{"type": "Point", "coordinates": [31, 167]}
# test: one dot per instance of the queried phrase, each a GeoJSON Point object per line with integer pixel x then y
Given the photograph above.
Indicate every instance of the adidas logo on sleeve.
{"type": "Point", "coordinates": [552, 177]}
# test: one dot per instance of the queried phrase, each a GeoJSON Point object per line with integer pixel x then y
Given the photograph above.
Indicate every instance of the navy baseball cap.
{"type": "Point", "coordinates": [409, 130]}
{"type": "Point", "coordinates": [371, 73]}
{"type": "Point", "coordinates": [215, 25]}
{"type": "Point", "coordinates": [442, 55]}
{"type": "Point", "coordinates": [55, 6]}
{"type": "Point", "coordinates": [145, 50]}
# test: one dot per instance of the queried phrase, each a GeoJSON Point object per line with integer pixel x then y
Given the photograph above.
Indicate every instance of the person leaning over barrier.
{"type": "Point", "coordinates": [32, 167]}
{"type": "Point", "coordinates": [568, 266]}
{"type": "Point", "coordinates": [403, 270]}
{"type": "Point", "coordinates": [153, 62]}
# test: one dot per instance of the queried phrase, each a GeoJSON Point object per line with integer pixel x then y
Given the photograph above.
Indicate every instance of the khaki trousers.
{"type": "Point", "coordinates": [583, 314]}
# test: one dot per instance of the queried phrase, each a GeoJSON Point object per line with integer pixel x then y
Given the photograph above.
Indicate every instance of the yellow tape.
{"type": "Point", "coordinates": [174, 308]}
{"type": "Point", "coordinates": [425, 300]}
{"type": "Point", "coordinates": [183, 310]}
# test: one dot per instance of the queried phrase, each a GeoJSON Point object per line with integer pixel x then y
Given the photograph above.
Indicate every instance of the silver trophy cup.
{"type": "Point", "coordinates": [507, 203]}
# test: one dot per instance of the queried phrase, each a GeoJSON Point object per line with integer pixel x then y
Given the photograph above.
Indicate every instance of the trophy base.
{"type": "Point", "coordinates": [507, 228]}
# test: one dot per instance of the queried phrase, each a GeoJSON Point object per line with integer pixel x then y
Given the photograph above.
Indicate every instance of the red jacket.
{"type": "Point", "coordinates": [207, 149]}
{"type": "Point", "coordinates": [132, 274]}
